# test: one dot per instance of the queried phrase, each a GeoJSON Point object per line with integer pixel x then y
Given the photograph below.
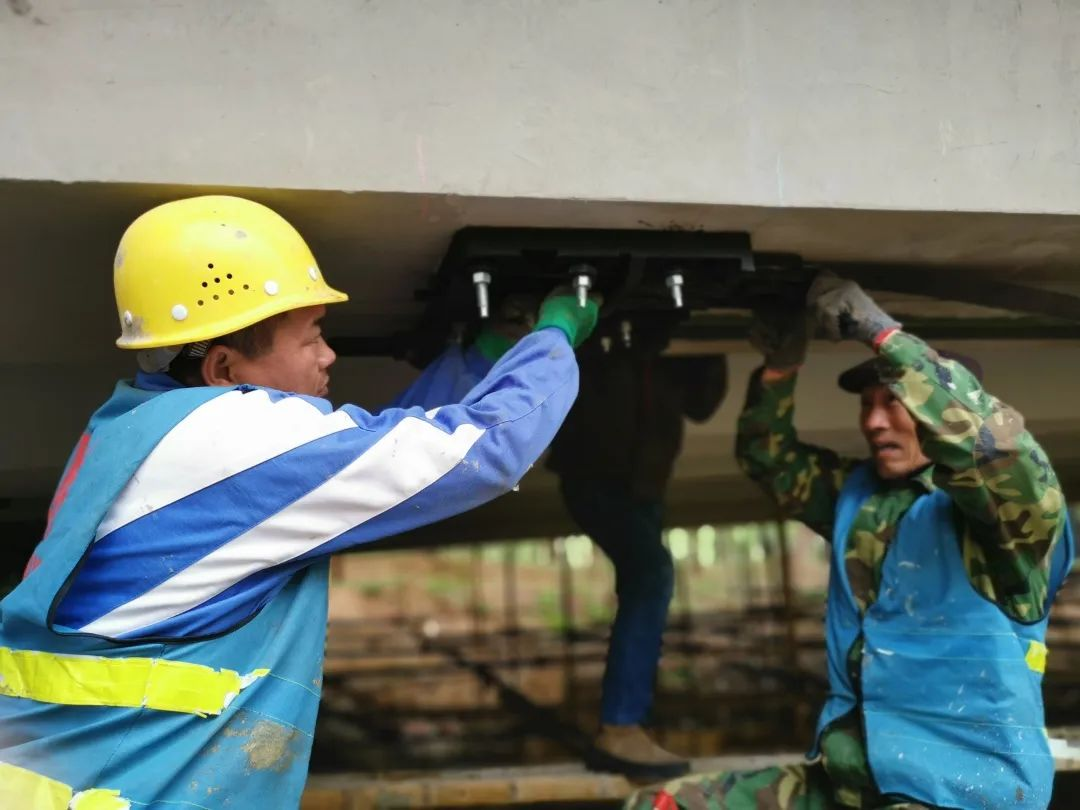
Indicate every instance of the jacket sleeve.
{"type": "Point", "coordinates": [706, 381]}
{"type": "Point", "coordinates": [997, 474]}
{"type": "Point", "coordinates": [255, 484]}
{"type": "Point", "coordinates": [448, 378]}
{"type": "Point", "coordinates": [804, 480]}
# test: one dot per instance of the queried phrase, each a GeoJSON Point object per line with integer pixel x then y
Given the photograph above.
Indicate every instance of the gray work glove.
{"type": "Point", "coordinates": [781, 335]}
{"type": "Point", "coordinates": [844, 311]}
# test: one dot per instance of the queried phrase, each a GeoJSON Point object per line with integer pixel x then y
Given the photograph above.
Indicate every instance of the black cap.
{"type": "Point", "coordinates": [858, 377]}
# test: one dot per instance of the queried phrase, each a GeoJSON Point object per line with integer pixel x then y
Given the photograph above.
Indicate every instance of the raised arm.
{"type": "Point", "coordinates": [256, 484]}
{"type": "Point", "coordinates": [803, 480]}
{"type": "Point", "coordinates": [997, 474]}
{"type": "Point", "coordinates": [993, 469]}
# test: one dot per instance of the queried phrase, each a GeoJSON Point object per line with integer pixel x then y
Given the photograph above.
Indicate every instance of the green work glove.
{"type": "Point", "coordinates": [561, 310]}
{"type": "Point", "coordinates": [514, 318]}
{"type": "Point", "coordinates": [782, 335]}
{"type": "Point", "coordinates": [492, 345]}
{"type": "Point", "coordinates": [845, 311]}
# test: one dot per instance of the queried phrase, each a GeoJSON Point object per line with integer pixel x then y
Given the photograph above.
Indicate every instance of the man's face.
{"type": "Point", "coordinates": [299, 360]}
{"type": "Point", "coordinates": [890, 431]}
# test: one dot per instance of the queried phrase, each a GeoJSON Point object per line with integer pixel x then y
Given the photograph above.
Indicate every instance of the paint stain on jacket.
{"type": "Point", "coordinates": [269, 746]}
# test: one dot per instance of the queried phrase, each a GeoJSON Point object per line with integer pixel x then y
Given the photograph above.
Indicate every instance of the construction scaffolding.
{"type": "Point", "coordinates": [464, 698]}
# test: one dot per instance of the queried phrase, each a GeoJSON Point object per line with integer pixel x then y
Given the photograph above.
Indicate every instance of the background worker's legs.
{"type": "Point", "coordinates": [628, 530]}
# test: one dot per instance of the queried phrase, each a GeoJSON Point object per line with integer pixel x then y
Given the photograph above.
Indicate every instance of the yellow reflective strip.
{"type": "Point", "coordinates": [22, 788]}
{"type": "Point", "coordinates": [1036, 656]}
{"type": "Point", "coordinates": [26, 790]}
{"type": "Point", "coordinates": [99, 799]}
{"type": "Point", "coordinates": [88, 680]}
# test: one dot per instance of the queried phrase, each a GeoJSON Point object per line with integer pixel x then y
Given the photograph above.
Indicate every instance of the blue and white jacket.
{"type": "Point", "coordinates": [186, 549]}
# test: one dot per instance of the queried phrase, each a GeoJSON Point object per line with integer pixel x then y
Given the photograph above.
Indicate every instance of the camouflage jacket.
{"type": "Point", "coordinates": [1009, 505]}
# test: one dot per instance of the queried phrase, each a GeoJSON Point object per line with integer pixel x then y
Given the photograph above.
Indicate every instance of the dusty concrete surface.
{"type": "Point", "coordinates": [922, 105]}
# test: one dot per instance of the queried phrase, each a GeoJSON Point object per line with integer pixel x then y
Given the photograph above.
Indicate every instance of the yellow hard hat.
{"type": "Point", "coordinates": [197, 269]}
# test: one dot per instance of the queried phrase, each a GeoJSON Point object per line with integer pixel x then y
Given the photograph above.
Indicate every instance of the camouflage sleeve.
{"type": "Point", "coordinates": [997, 474]}
{"type": "Point", "coordinates": [803, 480]}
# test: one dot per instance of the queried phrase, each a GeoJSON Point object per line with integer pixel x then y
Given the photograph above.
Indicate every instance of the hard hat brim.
{"type": "Point", "coordinates": [138, 341]}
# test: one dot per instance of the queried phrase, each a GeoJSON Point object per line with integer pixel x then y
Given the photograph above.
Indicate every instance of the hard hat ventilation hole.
{"type": "Point", "coordinates": [216, 297]}
{"type": "Point", "coordinates": [217, 280]}
{"type": "Point", "coordinates": [246, 287]}
{"type": "Point", "coordinates": [230, 292]}
{"type": "Point", "coordinates": [228, 275]}
{"type": "Point", "coordinates": [205, 284]}
{"type": "Point", "coordinates": [210, 265]}
{"type": "Point", "coordinates": [199, 302]}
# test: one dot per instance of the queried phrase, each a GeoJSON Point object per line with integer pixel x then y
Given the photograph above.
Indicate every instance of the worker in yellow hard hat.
{"type": "Point", "coordinates": [165, 645]}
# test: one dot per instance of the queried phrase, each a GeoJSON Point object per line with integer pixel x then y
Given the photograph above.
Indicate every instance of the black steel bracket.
{"type": "Point", "coordinates": [659, 275]}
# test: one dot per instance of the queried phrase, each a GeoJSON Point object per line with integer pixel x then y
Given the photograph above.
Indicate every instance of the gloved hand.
{"type": "Point", "coordinates": [781, 335]}
{"type": "Point", "coordinates": [514, 318]}
{"type": "Point", "coordinates": [845, 311]}
{"type": "Point", "coordinates": [492, 345]}
{"type": "Point", "coordinates": [561, 310]}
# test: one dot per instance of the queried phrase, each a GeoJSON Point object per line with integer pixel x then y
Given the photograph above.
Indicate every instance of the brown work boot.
{"type": "Point", "coordinates": [630, 751]}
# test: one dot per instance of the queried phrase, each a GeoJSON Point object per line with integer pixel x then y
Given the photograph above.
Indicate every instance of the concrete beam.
{"type": "Point", "coordinates": [921, 105]}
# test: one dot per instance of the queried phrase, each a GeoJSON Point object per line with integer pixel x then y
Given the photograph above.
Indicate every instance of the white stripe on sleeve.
{"type": "Point", "coordinates": [412, 456]}
{"type": "Point", "coordinates": [240, 429]}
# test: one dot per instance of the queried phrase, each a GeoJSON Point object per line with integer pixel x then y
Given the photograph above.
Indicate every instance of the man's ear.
{"type": "Point", "coordinates": [218, 367]}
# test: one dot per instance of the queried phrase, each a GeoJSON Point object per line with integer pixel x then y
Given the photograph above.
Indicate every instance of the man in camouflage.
{"type": "Point", "coordinates": [930, 427]}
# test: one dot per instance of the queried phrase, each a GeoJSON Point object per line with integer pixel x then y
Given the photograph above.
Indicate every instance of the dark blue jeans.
{"type": "Point", "coordinates": [628, 529]}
